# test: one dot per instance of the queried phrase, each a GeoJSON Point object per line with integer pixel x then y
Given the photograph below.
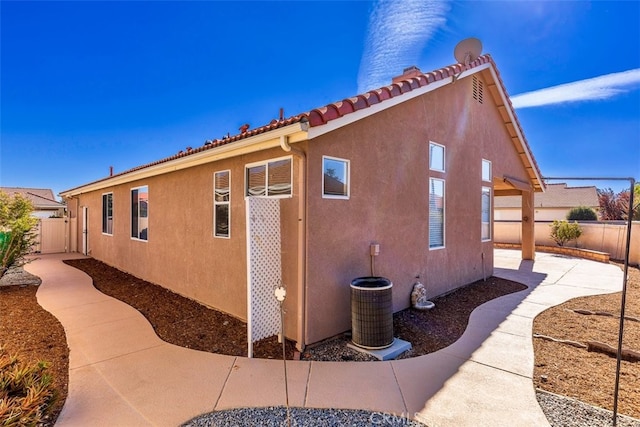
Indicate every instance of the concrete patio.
{"type": "Point", "coordinates": [122, 374]}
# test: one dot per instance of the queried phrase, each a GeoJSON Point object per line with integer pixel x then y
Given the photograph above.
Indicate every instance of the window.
{"type": "Point", "coordinates": [107, 213]}
{"type": "Point", "coordinates": [271, 179]}
{"type": "Point", "coordinates": [436, 157]}
{"type": "Point", "coordinates": [436, 213]}
{"type": "Point", "coordinates": [486, 170]}
{"type": "Point", "coordinates": [221, 203]}
{"type": "Point", "coordinates": [140, 213]}
{"type": "Point", "coordinates": [335, 178]}
{"type": "Point", "coordinates": [486, 214]}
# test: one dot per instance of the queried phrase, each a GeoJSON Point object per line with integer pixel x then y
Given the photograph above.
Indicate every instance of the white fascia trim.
{"type": "Point", "coordinates": [296, 132]}
{"type": "Point", "coordinates": [507, 103]}
{"type": "Point", "coordinates": [347, 119]}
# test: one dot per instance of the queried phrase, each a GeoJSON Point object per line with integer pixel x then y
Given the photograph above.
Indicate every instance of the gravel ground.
{"type": "Point", "coordinates": [277, 417]}
{"type": "Point", "coordinates": [563, 411]}
{"type": "Point", "coordinates": [18, 276]}
{"type": "Point", "coordinates": [560, 411]}
{"type": "Point", "coordinates": [335, 350]}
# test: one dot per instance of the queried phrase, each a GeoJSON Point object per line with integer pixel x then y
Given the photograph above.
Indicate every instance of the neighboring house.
{"type": "Point", "coordinates": [43, 200]}
{"type": "Point", "coordinates": [554, 203]}
{"type": "Point", "coordinates": [413, 166]}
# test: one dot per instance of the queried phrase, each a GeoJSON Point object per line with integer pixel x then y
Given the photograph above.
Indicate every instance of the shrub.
{"type": "Point", "coordinates": [563, 231]}
{"type": "Point", "coordinates": [26, 391]}
{"type": "Point", "coordinates": [17, 235]}
{"type": "Point", "coordinates": [582, 213]}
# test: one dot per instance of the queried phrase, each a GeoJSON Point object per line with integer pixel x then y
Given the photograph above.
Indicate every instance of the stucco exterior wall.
{"type": "Point", "coordinates": [182, 253]}
{"type": "Point", "coordinates": [389, 155]}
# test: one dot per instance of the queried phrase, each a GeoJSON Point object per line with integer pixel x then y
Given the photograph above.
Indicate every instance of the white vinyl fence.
{"type": "Point", "coordinates": [52, 235]}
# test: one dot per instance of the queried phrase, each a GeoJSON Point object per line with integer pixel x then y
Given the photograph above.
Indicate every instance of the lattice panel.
{"type": "Point", "coordinates": [264, 268]}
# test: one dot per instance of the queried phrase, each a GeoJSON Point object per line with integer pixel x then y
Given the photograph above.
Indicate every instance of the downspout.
{"type": "Point", "coordinates": [302, 240]}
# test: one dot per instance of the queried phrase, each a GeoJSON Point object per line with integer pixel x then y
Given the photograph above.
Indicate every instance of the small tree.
{"type": "Point", "coordinates": [624, 198]}
{"type": "Point", "coordinates": [582, 213]}
{"type": "Point", "coordinates": [17, 234]}
{"type": "Point", "coordinates": [563, 231]}
{"type": "Point", "coordinates": [616, 206]}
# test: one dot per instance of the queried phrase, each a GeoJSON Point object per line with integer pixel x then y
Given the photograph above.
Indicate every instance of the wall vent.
{"type": "Point", "coordinates": [477, 89]}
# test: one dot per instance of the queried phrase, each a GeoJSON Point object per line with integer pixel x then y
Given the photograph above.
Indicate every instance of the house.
{"type": "Point", "coordinates": [412, 167]}
{"type": "Point", "coordinates": [43, 200]}
{"type": "Point", "coordinates": [554, 203]}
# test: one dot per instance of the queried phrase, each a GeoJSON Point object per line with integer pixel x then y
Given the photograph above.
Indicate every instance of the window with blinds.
{"type": "Point", "coordinates": [221, 203]}
{"type": "Point", "coordinates": [485, 214]}
{"type": "Point", "coordinates": [270, 179]}
{"type": "Point", "coordinates": [107, 213]}
{"type": "Point", "coordinates": [436, 213]}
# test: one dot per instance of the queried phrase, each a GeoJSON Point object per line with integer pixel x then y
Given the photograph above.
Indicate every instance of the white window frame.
{"type": "Point", "coordinates": [482, 222]}
{"type": "Point", "coordinates": [265, 163]}
{"type": "Point", "coordinates": [444, 214]}
{"type": "Point", "coordinates": [433, 145]}
{"type": "Point", "coordinates": [138, 218]}
{"type": "Point", "coordinates": [347, 178]}
{"type": "Point", "coordinates": [222, 203]}
{"type": "Point", "coordinates": [105, 216]}
{"type": "Point", "coordinates": [489, 177]}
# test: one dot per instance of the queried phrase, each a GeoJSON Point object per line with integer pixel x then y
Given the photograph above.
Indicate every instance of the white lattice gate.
{"type": "Point", "coordinates": [263, 268]}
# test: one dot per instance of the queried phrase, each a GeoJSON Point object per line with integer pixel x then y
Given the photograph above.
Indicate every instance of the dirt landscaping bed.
{"type": "Point", "coordinates": [186, 323]}
{"type": "Point", "coordinates": [581, 374]}
{"type": "Point", "coordinates": [28, 330]}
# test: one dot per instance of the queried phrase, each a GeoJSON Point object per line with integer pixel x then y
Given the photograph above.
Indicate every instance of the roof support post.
{"type": "Point", "coordinates": [528, 226]}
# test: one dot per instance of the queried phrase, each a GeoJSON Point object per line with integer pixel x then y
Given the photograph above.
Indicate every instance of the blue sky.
{"type": "Point", "coordinates": [88, 85]}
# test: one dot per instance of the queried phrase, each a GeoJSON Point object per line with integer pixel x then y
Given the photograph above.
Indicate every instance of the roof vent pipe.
{"type": "Point", "coordinates": [110, 170]}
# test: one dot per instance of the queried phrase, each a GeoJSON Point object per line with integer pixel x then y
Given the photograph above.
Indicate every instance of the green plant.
{"type": "Point", "coordinates": [582, 213]}
{"type": "Point", "coordinates": [26, 391]}
{"type": "Point", "coordinates": [563, 231]}
{"type": "Point", "coordinates": [17, 235]}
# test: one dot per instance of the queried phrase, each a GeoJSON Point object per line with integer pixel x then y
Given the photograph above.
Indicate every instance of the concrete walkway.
{"type": "Point", "coordinates": [122, 374]}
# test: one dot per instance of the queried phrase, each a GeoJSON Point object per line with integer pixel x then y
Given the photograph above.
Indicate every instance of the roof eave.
{"type": "Point", "coordinates": [295, 132]}
{"type": "Point", "coordinates": [514, 128]}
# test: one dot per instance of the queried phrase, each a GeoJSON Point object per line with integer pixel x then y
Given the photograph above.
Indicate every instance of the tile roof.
{"type": "Point", "coordinates": [555, 196]}
{"type": "Point", "coordinates": [322, 115]}
{"type": "Point", "coordinates": [412, 79]}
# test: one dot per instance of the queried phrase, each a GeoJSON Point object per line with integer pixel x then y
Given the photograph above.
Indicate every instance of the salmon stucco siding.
{"type": "Point", "coordinates": [389, 202]}
{"type": "Point", "coordinates": [181, 252]}
{"type": "Point", "coordinates": [378, 186]}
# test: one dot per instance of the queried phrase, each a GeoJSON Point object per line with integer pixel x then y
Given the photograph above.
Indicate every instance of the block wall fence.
{"type": "Point", "coordinates": [608, 237]}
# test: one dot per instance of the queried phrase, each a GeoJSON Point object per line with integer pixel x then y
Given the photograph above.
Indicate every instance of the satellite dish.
{"type": "Point", "coordinates": [467, 50]}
